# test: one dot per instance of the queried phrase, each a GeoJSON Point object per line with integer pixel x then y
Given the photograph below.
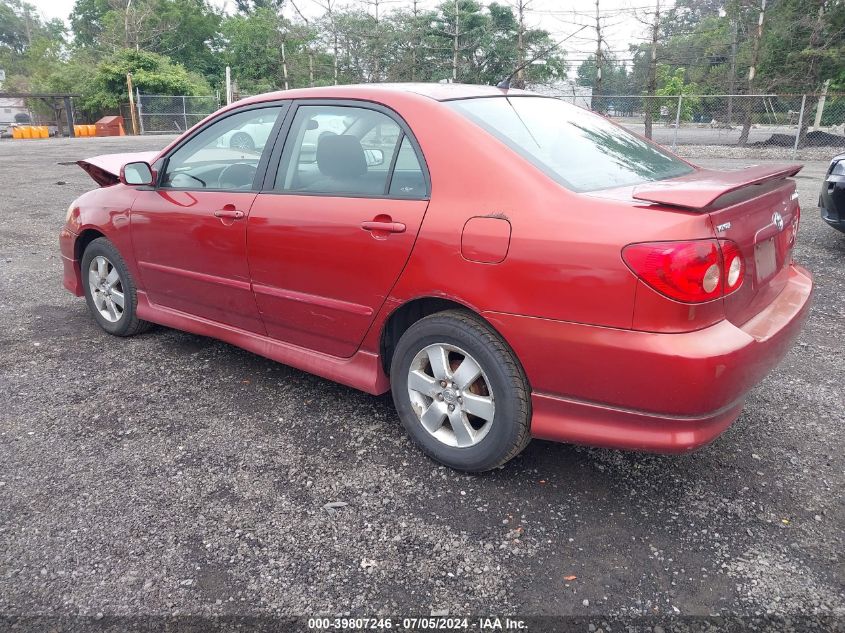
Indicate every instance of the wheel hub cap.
{"type": "Point", "coordinates": [451, 395]}
{"type": "Point", "coordinates": [106, 288]}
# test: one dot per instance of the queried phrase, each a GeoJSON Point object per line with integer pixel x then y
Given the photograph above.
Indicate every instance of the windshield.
{"type": "Point", "coordinates": [579, 149]}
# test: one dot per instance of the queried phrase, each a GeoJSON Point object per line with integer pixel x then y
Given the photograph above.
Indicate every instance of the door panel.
{"type": "Point", "coordinates": [319, 277]}
{"type": "Point", "coordinates": [191, 260]}
{"type": "Point", "coordinates": [189, 234]}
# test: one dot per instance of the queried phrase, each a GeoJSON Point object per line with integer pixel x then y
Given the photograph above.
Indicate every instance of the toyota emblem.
{"type": "Point", "coordinates": [777, 220]}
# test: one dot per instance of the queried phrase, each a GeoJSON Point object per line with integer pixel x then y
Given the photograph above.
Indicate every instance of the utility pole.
{"type": "Point", "coordinates": [455, 43]}
{"type": "Point", "coordinates": [126, 24]}
{"type": "Point", "coordinates": [27, 25]}
{"type": "Point", "coordinates": [310, 67]}
{"type": "Point", "coordinates": [651, 78]}
{"type": "Point", "coordinates": [416, 14]}
{"type": "Point", "coordinates": [328, 6]}
{"type": "Point", "coordinates": [597, 86]}
{"type": "Point", "coordinates": [310, 51]}
{"type": "Point", "coordinates": [520, 44]}
{"type": "Point", "coordinates": [284, 66]}
{"type": "Point", "coordinates": [752, 70]}
{"type": "Point", "coordinates": [229, 93]}
{"type": "Point", "coordinates": [732, 78]}
{"type": "Point", "coordinates": [376, 52]}
{"type": "Point", "coordinates": [133, 114]}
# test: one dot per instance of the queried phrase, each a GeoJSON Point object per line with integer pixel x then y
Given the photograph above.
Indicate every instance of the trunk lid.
{"type": "Point", "coordinates": [757, 208]}
{"type": "Point", "coordinates": [105, 169]}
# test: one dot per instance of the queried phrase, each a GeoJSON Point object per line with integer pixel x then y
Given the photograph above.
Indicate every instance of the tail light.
{"type": "Point", "coordinates": [694, 271]}
{"type": "Point", "coordinates": [796, 222]}
{"type": "Point", "coordinates": [734, 265]}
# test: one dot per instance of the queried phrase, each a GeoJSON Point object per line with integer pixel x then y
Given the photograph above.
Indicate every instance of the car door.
{"type": "Point", "coordinates": [332, 229]}
{"type": "Point", "coordinates": [189, 232]}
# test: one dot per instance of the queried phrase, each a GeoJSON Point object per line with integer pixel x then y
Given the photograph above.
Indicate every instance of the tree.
{"type": "Point", "coordinates": [86, 21]}
{"type": "Point", "coordinates": [674, 85]}
{"type": "Point", "coordinates": [614, 74]}
{"type": "Point", "coordinates": [184, 30]}
{"type": "Point", "coordinates": [151, 73]}
{"type": "Point", "coordinates": [253, 45]}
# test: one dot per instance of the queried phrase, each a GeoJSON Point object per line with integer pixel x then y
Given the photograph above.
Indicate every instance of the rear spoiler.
{"type": "Point", "coordinates": [105, 169]}
{"type": "Point", "coordinates": [703, 187]}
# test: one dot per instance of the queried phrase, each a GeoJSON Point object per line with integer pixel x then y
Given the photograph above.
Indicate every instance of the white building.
{"type": "Point", "coordinates": [9, 107]}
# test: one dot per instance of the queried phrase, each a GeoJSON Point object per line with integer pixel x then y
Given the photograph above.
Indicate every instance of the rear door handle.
{"type": "Point", "coordinates": [229, 214]}
{"type": "Point", "coordinates": [386, 227]}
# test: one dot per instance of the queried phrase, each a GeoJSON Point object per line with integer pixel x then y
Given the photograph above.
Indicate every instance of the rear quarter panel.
{"type": "Point", "coordinates": [564, 259]}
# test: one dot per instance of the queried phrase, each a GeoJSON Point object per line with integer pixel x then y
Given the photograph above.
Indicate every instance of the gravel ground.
{"type": "Point", "coordinates": [174, 474]}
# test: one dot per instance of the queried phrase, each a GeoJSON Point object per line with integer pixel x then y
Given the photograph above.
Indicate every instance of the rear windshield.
{"type": "Point", "coordinates": [579, 149]}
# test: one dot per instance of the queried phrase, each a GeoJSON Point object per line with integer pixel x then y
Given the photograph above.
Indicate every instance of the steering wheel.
{"type": "Point", "coordinates": [187, 175]}
{"type": "Point", "coordinates": [237, 176]}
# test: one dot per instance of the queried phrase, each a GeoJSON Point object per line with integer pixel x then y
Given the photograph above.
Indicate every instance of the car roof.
{"type": "Point", "coordinates": [436, 91]}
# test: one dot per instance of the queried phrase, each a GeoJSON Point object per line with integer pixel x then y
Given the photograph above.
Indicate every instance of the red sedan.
{"type": "Point", "coordinates": [509, 265]}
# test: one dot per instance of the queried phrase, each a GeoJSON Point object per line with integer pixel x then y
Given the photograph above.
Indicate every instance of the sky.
{"type": "Point", "coordinates": [621, 20]}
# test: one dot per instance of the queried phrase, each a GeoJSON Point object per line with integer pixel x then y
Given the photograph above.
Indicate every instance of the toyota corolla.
{"type": "Point", "coordinates": [508, 265]}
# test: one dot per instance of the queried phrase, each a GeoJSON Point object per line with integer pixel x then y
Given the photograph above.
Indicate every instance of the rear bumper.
{"type": "Point", "coordinates": [565, 420]}
{"type": "Point", "coordinates": [650, 391]}
{"type": "Point", "coordinates": [71, 278]}
{"type": "Point", "coordinates": [832, 201]}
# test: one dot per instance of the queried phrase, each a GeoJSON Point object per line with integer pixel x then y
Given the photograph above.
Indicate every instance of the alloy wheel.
{"type": "Point", "coordinates": [106, 289]}
{"type": "Point", "coordinates": [451, 395]}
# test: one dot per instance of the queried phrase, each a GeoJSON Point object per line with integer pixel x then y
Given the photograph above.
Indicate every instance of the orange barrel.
{"type": "Point", "coordinates": [16, 132]}
{"type": "Point", "coordinates": [26, 131]}
{"type": "Point", "coordinates": [44, 131]}
{"type": "Point", "coordinates": [77, 130]}
{"type": "Point", "coordinates": [92, 130]}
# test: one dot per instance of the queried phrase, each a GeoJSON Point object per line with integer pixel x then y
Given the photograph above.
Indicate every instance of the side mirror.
{"type": "Point", "coordinates": [374, 157]}
{"type": "Point", "coordinates": [139, 173]}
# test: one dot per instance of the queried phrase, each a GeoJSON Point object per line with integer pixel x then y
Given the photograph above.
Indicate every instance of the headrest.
{"type": "Point", "coordinates": [341, 156]}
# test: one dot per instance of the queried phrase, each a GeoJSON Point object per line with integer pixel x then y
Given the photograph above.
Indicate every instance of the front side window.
{"type": "Point", "coordinates": [342, 150]}
{"type": "Point", "coordinates": [579, 149]}
{"type": "Point", "coordinates": [224, 155]}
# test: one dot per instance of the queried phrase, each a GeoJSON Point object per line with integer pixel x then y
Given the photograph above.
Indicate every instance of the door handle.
{"type": "Point", "coordinates": [229, 214]}
{"type": "Point", "coordinates": [385, 227]}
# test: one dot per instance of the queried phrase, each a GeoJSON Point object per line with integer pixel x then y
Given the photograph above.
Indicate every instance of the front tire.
{"type": "Point", "coordinates": [460, 392]}
{"type": "Point", "coordinates": [110, 291]}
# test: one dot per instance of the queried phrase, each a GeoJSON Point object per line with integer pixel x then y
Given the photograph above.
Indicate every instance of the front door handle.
{"type": "Point", "coordinates": [229, 214]}
{"type": "Point", "coordinates": [383, 227]}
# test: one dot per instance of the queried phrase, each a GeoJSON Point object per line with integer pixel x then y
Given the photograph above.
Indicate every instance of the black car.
{"type": "Point", "coordinates": [832, 198]}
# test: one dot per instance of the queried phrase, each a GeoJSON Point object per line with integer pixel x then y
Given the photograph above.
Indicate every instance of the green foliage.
{"type": "Point", "coordinates": [184, 30]}
{"type": "Point", "coordinates": [86, 21]}
{"type": "Point", "coordinates": [151, 73]}
{"type": "Point", "coordinates": [614, 75]}
{"type": "Point", "coordinates": [673, 85]}
{"type": "Point", "coordinates": [802, 45]}
{"type": "Point", "coordinates": [182, 46]}
{"type": "Point", "coordinates": [253, 48]}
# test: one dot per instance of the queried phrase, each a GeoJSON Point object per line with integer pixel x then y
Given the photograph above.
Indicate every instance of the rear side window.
{"type": "Point", "coordinates": [344, 150]}
{"type": "Point", "coordinates": [579, 149]}
{"type": "Point", "coordinates": [408, 180]}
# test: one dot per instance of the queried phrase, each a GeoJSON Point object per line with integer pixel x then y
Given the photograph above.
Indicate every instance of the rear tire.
{"type": "Point", "coordinates": [460, 392]}
{"type": "Point", "coordinates": [110, 291]}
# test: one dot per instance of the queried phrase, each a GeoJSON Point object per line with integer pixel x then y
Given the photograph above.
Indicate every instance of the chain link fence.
{"type": "Point", "coordinates": [172, 114]}
{"type": "Point", "coordinates": [809, 126]}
